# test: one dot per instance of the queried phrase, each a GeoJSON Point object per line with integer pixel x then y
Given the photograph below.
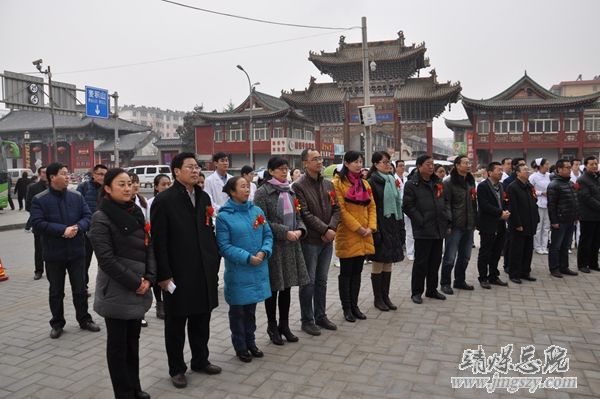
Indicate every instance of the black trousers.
{"type": "Point", "coordinates": [38, 253]}
{"type": "Point", "coordinates": [506, 251]}
{"type": "Point", "coordinates": [489, 254]}
{"type": "Point", "coordinates": [10, 201]}
{"type": "Point", "coordinates": [89, 251]}
{"type": "Point", "coordinates": [428, 256]}
{"type": "Point", "coordinates": [20, 198]}
{"type": "Point", "coordinates": [55, 273]}
{"type": "Point", "coordinates": [589, 243]}
{"type": "Point", "coordinates": [284, 305]}
{"type": "Point", "coordinates": [122, 356]}
{"type": "Point", "coordinates": [198, 329]}
{"type": "Point", "coordinates": [521, 253]}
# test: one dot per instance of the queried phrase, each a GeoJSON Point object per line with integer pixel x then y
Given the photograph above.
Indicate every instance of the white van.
{"type": "Point", "coordinates": [147, 173]}
{"type": "Point", "coordinates": [16, 174]}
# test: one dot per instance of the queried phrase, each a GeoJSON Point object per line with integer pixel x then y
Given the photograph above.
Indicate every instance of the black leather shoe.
{"type": "Point", "coordinates": [142, 395]}
{"type": "Point", "coordinates": [90, 326]}
{"type": "Point", "coordinates": [349, 316]}
{"type": "Point", "coordinates": [253, 349]}
{"type": "Point", "coordinates": [463, 286]}
{"type": "Point", "coordinates": [569, 272]}
{"type": "Point", "coordinates": [446, 289]}
{"type": "Point", "coordinates": [516, 280]}
{"type": "Point", "coordinates": [326, 324]}
{"type": "Point", "coordinates": [595, 268]}
{"type": "Point", "coordinates": [528, 278]}
{"type": "Point", "coordinates": [311, 329]}
{"type": "Point", "coordinates": [435, 295]}
{"type": "Point", "coordinates": [584, 269]}
{"type": "Point", "coordinates": [56, 332]}
{"type": "Point", "coordinates": [417, 299]}
{"type": "Point", "coordinates": [210, 369]}
{"type": "Point", "coordinates": [556, 274]}
{"type": "Point", "coordinates": [358, 314]}
{"type": "Point", "coordinates": [499, 282]}
{"type": "Point", "coordinates": [37, 275]}
{"type": "Point", "coordinates": [244, 356]}
{"type": "Point", "coordinates": [485, 284]}
{"type": "Point", "coordinates": [179, 381]}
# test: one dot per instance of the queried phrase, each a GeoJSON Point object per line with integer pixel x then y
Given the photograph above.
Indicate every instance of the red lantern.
{"type": "Point", "coordinates": [61, 149]}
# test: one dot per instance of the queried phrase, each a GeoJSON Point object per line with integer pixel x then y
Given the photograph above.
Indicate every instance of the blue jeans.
{"type": "Point", "coordinates": [317, 259]}
{"type": "Point", "coordinates": [459, 245]}
{"type": "Point", "coordinates": [242, 322]}
{"type": "Point", "coordinates": [558, 258]}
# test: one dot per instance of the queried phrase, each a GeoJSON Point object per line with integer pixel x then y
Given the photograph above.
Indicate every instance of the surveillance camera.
{"type": "Point", "coordinates": [37, 62]}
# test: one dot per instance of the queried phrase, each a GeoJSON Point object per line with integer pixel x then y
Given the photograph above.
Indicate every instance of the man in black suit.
{"type": "Point", "coordinates": [522, 224]}
{"type": "Point", "coordinates": [188, 263]}
{"type": "Point", "coordinates": [505, 183]}
{"type": "Point", "coordinates": [491, 223]}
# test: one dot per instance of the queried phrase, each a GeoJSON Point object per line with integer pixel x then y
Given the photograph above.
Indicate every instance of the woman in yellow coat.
{"type": "Point", "coordinates": [354, 236]}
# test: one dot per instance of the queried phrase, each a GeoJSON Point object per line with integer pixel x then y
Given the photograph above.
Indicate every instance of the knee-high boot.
{"type": "Point", "coordinates": [376, 281]}
{"type": "Point", "coordinates": [344, 288]}
{"type": "Point", "coordinates": [354, 290]}
{"type": "Point", "coordinates": [386, 278]}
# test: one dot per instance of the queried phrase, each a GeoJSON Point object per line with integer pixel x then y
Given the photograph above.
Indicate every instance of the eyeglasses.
{"type": "Point", "coordinates": [385, 162]}
{"type": "Point", "coordinates": [191, 167]}
{"type": "Point", "coordinates": [317, 159]}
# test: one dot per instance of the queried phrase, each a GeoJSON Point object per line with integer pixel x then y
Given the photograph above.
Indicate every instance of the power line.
{"type": "Point", "coordinates": [161, 60]}
{"type": "Point", "coordinates": [264, 21]}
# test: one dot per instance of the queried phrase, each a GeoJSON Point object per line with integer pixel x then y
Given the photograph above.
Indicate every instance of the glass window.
{"type": "Point", "coordinates": [218, 135]}
{"type": "Point", "coordinates": [571, 125]}
{"type": "Point", "coordinates": [260, 134]}
{"type": "Point", "coordinates": [278, 132]}
{"type": "Point", "coordinates": [483, 127]}
{"type": "Point", "coordinates": [151, 170]}
{"type": "Point", "coordinates": [235, 135]}
{"type": "Point", "coordinates": [166, 169]}
{"type": "Point", "coordinates": [139, 171]}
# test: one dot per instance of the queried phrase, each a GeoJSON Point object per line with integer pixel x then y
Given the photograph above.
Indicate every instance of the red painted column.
{"type": "Point", "coordinates": [429, 135]}
{"type": "Point", "coordinates": [525, 134]}
{"type": "Point", "coordinates": [561, 134]}
{"type": "Point", "coordinates": [581, 138]}
{"type": "Point", "coordinates": [72, 152]}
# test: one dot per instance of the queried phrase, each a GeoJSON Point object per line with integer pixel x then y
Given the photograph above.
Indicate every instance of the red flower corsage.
{"type": "Point", "coordinates": [210, 212]}
{"type": "Point", "coordinates": [147, 230]}
{"type": "Point", "coordinates": [297, 205]}
{"type": "Point", "coordinates": [440, 190]}
{"type": "Point", "coordinates": [398, 183]}
{"type": "Point", "coordinates": [533, 194]}
{"type": "Point", "coordinates": [260, 219]}
{"type": "Point", "coordinates": [332, 197]}
{"type": "Point", "coordinates": [576, 186]}
{"type": "Point", "coordinates": [473, 194]}
{"type": "Point", "coordinates": [505, 196]}
{"type": "Point", "coordinates": [370, 192]}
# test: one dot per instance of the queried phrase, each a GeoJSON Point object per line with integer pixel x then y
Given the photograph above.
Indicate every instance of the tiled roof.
{"type": "Point", "coordinates": [170, 142]}
{"type": "Point", "coordinates": [127, 142]}
{"type": "Point", "coordinates": [534, 96]}
{"type": "Point", "coordinates": [391, 50]}
{"type": "Point", "coordinates": [458, 123]}
{"type": "Point", "coordinates": [426, 89]}
{"type": "Point", "coordinates": [21, 120]}
{"type": "Point", "coordinates": [316, 93]}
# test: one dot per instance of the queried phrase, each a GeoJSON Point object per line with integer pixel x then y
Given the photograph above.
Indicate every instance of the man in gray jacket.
{"type": "Point", "coordinates": [320, 212]}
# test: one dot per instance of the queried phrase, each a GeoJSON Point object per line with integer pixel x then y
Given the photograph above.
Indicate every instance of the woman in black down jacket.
{"type": "Point", "coordinates": [126, 270]}
{"type": "Point", "coordinates": [390, 233]}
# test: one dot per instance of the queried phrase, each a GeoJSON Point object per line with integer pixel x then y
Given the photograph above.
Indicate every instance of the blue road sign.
{"type": "Point", "coordinates": [96, 102]}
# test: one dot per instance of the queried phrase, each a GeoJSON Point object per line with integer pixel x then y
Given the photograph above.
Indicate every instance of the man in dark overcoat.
{"type": "Point", "coordinates": [188, 263]}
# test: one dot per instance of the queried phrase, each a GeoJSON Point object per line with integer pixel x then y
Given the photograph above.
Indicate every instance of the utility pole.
{"type": "Point", "coordinates": [48, 71]}
{"type": "Point", "coordinates": [366, 84]}
{"type": "Point", "coordinates": [115, 95]}
{"type": "Point", "coordinates": [250, 130]}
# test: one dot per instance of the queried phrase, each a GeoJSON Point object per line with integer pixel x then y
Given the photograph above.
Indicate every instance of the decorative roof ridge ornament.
{"type": "Point", "coordinates": [342, 42]}
{"type": "Point", "coordinates": [401, 38]}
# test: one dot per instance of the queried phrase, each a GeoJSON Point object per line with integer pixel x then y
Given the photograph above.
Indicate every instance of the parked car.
{"type": "Point", "coordinates": [147, 173]}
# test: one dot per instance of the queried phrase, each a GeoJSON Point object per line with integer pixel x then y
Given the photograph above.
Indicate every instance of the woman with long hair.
{"type": "Point", "coordinates": [354, 237]}
{"type": "Point", "coordinates": [126, 270]}
{"type": "Point", "coordinates": [286, 266]}
{"type": "Point", "coordinates": [246, 242]}
{"type": "Point", "coordinates": [161, 183]}
{"type": "Point", "coordinates": [390, 233]}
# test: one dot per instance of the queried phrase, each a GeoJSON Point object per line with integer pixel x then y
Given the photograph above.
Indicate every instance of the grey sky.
{"type": "Point", "coordinates": [483, 44]}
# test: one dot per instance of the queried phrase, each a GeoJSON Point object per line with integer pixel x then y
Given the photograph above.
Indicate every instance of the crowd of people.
{"type": "Point", "coordinates": [280, 234]}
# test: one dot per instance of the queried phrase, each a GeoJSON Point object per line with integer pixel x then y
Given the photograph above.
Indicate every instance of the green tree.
{"type": "Point", "coordinates": [187, 131]}
{"type": "Point", "coordinates": [229, 107]}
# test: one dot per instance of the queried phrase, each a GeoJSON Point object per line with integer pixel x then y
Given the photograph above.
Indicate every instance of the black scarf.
{"type": "Point", "coordinates": [128, 216]}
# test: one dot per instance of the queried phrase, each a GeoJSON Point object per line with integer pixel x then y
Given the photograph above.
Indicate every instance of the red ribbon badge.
{"type": "Point", "coordinates": [147, 230]}
{"type": "Point", "coordinates": [473, 194]}
{"type": "Point", "coordinates": [297, 205]}
{"type": "Point", "coordinates": [210, 212]}
{"type": "Point", "coordinates": [332, 197]}
{"type": "Point", "coordinates": [260, 219]}
{"type": "Point", "coordinates": [398, 183]}
{"type": "Point", "coordinates": [505, 196]}
{"type": "Point", "coordinates": [370, 192]}
{"type": "Point", "coordinates": [533, 194]}
{"type": "Point", "coordinates": [440, 190]}
{"type": "Point", "coordinates": [576, 186]}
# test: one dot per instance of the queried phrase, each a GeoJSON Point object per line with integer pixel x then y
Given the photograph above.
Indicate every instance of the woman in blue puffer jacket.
{"type": "Point", "coordinates": [245, 241]}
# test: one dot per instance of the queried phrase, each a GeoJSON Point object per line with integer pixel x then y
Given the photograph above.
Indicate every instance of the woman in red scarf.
{"type": "Point", "coordinates": [354, 237]}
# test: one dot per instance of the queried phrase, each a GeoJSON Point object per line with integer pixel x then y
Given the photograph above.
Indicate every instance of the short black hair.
{"type": "Point", "coordinates": [459, 158]}
{"type": "Point", "coordinates": [229, 186]}
{"type": "Point", "coordinates": [492, 165]}
{"type": "Point", "coordinates": [576, 160]}
{"type": "Point", "coordinates": [218, 155]}
{"type": "Point", "coordinates": [504, 160]}
{"type": "Point", "coordinates": [177, 161]}
{"type": "Point", "coordinates": [246, 169]}
{"type": "Point", "coordinates": [588, 159]}
{"type": "Point", "coordinates": [304, 153]}
{"type": "Point", "coordinates": [53, 169]}
{"type": "Point", "coordinates": [276, 162]}
{"type": "Point", "coordinates": [422, 159]}
{"type": "Point", "coordinates": [515, 161]}
{"type": "Point", "coordinates": [561, 163]}
{"type": "Point", "coordinates": [39, 170]}
{"type": "Point", "coordinates": [100, 166]}
{"type": "Point", "coordinates": [519, 167]}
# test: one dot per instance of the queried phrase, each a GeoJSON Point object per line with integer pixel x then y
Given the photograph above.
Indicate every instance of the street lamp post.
{"type": "Point", "coordinates": [26, 138]}
{"type": "Point", "coordinates": [38, 65]}
{"type": "Point", "coordinates": [250, 130]}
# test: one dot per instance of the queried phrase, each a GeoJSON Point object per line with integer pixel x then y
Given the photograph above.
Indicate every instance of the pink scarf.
{"type": "Point", "coordinates": [357, 193]}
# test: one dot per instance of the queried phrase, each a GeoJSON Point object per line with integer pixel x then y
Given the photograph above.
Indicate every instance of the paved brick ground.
{"type": "Point", "coordinates": [409, 353]}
